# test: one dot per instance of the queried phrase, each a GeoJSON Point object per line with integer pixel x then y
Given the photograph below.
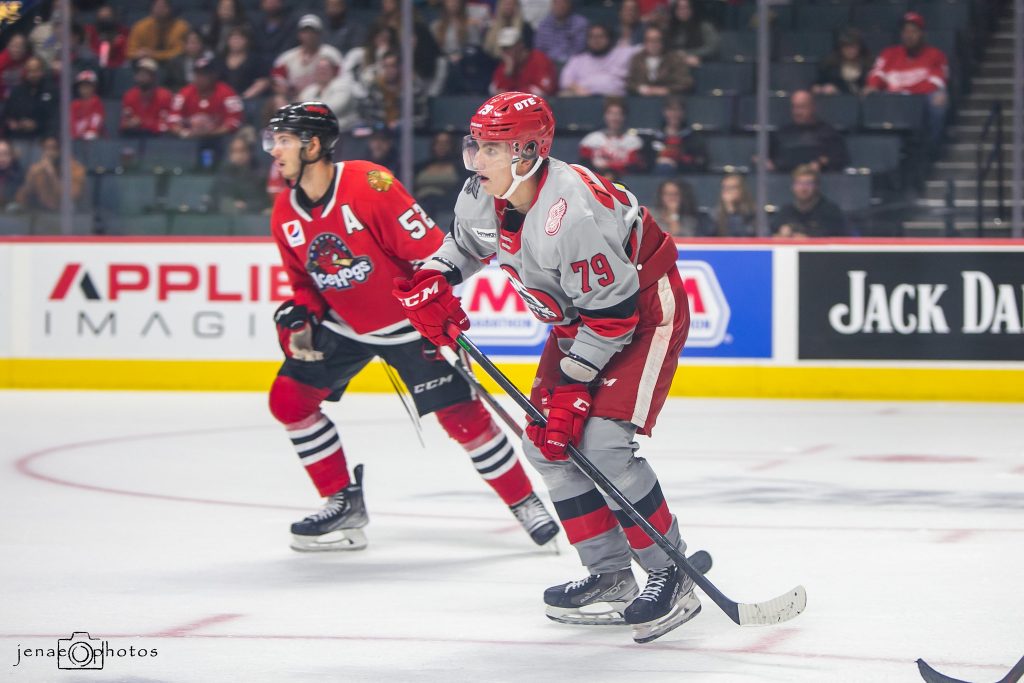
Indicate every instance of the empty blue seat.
{"type": "Point", "coordinates": [577, 113]}
{"type": "Point", "coordinates": [566, 148]}
{"type": "Point", "coordinates": [804, 46]}
{"type": "Point", "coordinates": [645, 112]}
{"type": "Point", "coordinates": [200, 224]}
{"type": "Point", "coordinates": [888, 111]}
{"type": "Point", "coordinates": [189, 192]}
{"type": "Point", "coordinates": [877, 153]}
{"type": "Point", "coordinates": [722, 78]}
{"type": "Point", "coordinates": [878, 16]}
{"type": "Point", "coordinates": [731, 152]}
{"type": "Point", "coordinates": [710, 112]}
{"type": "Point", "coordinates": [169, 153]}
{"type": "Point", "coordinates": [842, 111]}
{"type": "Point", "coordinates": [127, 194]}
{"type": "Point", "coordinates": [746, 112]}
{"type": "Point", "coordinates": [944, 14]}
{"type": "Point", "coordinates": [737, 46]}
{"type": "Point", "coordinates": [788, 77]}
{"type": "Point", "coordinates": [821, 17]}
{"type": "Point", "coordinates": [852, 192]}
{"type": "Point", "coordinates": [452, 112]}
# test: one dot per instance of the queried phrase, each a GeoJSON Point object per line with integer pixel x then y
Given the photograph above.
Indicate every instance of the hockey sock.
{"type": "Point", "coordinates": [654, 509]}
{"type": "Point", "coordinates": [315, 438]}
{"type": "Point", "coordinates": [492, 454]}
{"type": "Point", "coordinates": [585, 516]}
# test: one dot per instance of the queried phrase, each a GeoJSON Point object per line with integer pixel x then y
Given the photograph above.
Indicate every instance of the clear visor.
{"type": "Point", "coordinates": [479, 157]}
{"type": "Point", "coordinates": [285, 141]}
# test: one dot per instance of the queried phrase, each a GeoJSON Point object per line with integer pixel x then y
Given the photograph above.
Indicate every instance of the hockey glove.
{"type": "Point", "coordinates": [430, 306]}
{"type": "Point", "coordinates": [567, 410]}
{"type": "Point", "coordinates": [295, 331]}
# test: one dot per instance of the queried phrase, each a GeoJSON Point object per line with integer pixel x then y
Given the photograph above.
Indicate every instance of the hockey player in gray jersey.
{"type": "Point", "coordinates": [586, 258]}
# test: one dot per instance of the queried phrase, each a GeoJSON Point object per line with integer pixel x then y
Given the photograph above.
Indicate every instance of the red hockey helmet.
{"type": "Point", "coordinates": [522, 119]}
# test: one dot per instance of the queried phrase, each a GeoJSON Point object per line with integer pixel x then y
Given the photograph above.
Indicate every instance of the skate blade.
{"type": "Point", "coordinates": [684, 610]}
{"type": "Point", "coordinates": [597, 614]}
{"type": "Point", "coordinates": [340, 540]}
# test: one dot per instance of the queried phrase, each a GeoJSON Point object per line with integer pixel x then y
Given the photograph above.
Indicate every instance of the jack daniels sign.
{"type": "Point", "coordinates": [912, 305]}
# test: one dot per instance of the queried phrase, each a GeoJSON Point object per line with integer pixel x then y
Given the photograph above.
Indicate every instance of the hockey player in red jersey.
{"type": "Point", "coordinates": [589, 260]}
{"type": "Point", "coordinates": [345, 230]}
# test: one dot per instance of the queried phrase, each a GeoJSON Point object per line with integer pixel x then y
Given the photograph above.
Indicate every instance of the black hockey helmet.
{"type": "Point", "coordinates": [308, 120]}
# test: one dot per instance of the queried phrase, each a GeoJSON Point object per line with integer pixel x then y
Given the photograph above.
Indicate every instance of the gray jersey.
{"type": "Point", "coordinates": [572, 260]}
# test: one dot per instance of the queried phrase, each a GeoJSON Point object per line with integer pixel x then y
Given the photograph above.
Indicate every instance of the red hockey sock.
{"type": "Point", "coordinates": [471, 425]}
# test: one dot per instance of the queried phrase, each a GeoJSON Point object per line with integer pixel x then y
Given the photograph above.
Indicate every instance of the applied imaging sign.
{"type": "Point", "coordinates": [912, 305]}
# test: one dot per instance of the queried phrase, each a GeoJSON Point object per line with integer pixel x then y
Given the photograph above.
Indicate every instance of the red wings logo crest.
{"type": "Point", "coordinates": [555, 215]}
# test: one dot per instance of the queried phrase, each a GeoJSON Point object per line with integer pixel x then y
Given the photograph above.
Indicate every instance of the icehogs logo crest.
{"type": "Point", "coordinates": [332, 265]}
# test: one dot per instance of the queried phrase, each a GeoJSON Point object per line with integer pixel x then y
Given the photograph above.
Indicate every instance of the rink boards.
{"type": "Point", "coordinates": [838, 319]}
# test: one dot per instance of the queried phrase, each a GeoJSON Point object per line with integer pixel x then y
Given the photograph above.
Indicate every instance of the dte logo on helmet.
{"type": "Point", "coordinates": [528, 102]}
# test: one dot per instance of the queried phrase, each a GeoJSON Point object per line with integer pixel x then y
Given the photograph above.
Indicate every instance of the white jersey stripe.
{"type": "Point", "coordinates": [323, 455]}
{"type": "Point", "coordinates": [656, 354]}
{"type": "Point", "coordinates": [509, 464]}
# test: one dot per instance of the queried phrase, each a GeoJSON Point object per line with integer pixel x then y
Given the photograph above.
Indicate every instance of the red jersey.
{"type": "Point", "coordinates": [896, 70]}
{"type": "Point", "coordinates": [343, 254]}
{"type": "Point", "coordinates": [111, 53]}
{"type": "Point", "coordinates": [87, 118]}
{"type": "Point", "coordinates": [536, 75]}
{"type": "Point", "coordinates": [222, 107]}
{"type": "Point", "coordinates": [153, 111]}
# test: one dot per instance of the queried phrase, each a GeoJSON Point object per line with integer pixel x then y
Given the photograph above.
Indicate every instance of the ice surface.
{"type": "Point", "coordinates": [161, 521]}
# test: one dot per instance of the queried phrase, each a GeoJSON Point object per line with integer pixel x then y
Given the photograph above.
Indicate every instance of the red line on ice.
{"type": "Point", "coordinates": [186, 629]}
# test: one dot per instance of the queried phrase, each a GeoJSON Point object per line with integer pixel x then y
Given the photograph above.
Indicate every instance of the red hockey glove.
{"type": "Point", "coordinates": [295, 331]}
{"type": "Point", "coordinates": [430, 306]}
{"type": "Point", "coordinates": [567, 410]}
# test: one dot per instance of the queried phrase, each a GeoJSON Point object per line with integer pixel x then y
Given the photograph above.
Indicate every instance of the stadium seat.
{"type": "Point", "coordinates": [577, 113]}
{"type": "Point", "coordinates": [27, 151]}
{"type": "Point", "coordinates": [200, 224]}
{"type": "Point", "coordinates": [452, 112]}
{"type": "Point", "coordinates": [878, 153]}
{"type": "Point", "coordinates": [887, 111]}
{"type": "Point", "coordinates": [645, 187]}
{"type": "Point", "coordinates": [942, 15]}
{"type": "Point", "coordinates": [721, 78]}
{"type": "Point", "coordinates": [731, 152]}
{"type": "Point", "coordinates": [352, 148]}
{"type": "Point", "coordinates": [746, 112]}
{"type": "Point", "coordinates": [788, 77]}
{"type": "Point", "coordinates": [842, 111]}
{"type": "Point", "coordinates": [47, 223]}
{"type": "Point", "coordinates": [804, 46]}
{"type": "Point", "coordinates": [644, 112]}
{"type": "Point", "coordinates": [821, 17]}
{"type": "Point", "coordinates": [878, 16]}
{"type": "Point", "coordinates": [781, 16]}
{"type": "Point", "coordinates": [256, 224]}
{"type": "Point", "coordinates": [169, 153]}
{"type": "Point", "coordinates": [140, 224]}
{"type": "Point", "coordinates": [737, 46]}
{"type": "Point", "coordinates": [852, 192]}
{"type": "Point", "coordinates": [112, 117]}
{"type": "Point", "coordinates": [127, 194]}
{"type": "Point", "coordinates": [421, 147]}
{"type": "Point", "coordinates": [706, 189]}
{"type": "Point", "coordinates": [119, 82]}
{"type": "Point", "coordinates": [15, 224]}
{"type": "Point", "coordinates": [189, 192]}
{"type": "Point", "coordinates": [710, 113]}
{"type": "Point", "coordinates": [566, 148]}
{"type": "Point", "coordinates": [106, 154]}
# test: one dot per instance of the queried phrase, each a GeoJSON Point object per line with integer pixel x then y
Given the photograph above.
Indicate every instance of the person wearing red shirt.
{"type": "Point", "coordinates": [108, 38]}
{"type": "Point", "coordinates": [12, 63]}
{"type": "Point", "coordinates": [207, 107]}
{"type": "Point", "coordinates": [916, 68]}
{"type": "Point", "coordinates": [146, 108]}
{"type": "Point", "coordinates": [346, 231]}
{"type": "Point", "coordinates": [522, 69]}
{"type": "Point", "coordinates": [87, 115]}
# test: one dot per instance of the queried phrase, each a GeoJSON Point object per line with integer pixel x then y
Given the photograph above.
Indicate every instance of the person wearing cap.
{"type": "Point", "coordinates": [161, 35]}
{"type": "Point", "coordinates": [913, 67]}
{"type": "Point", "coordinates": [522, 69]}
{"type": "Point", "coordinates": [146, 107]}
{"type": "Point", "coordinates": [207, 107]}
{"type": "Point", "coordinates": [87, 115]}
{"type": "Point", "coordinates": [295, 69]}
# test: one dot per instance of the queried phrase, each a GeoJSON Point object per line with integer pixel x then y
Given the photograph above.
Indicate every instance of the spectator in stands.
{"type": "Point", "coordinates": [678, 147]}
{"type": "Point", "coordinates": [207, 107]}
{"type": "Point", "coordinates": [82, 56]}
{"type": "Point", "coordinates": [237, 188]}
{"type": "Point", "coordinates": [87, 114]}
{"type": "Point", "coordinates": [810, 214]}
{"type": "Point", "coordinates": [439, 179]}
{"type": "Point", "coordinates": [38, 192]}
{"type": "Point", "coordinates": [242, 68]}
{"type": "Point", "coordinates": [696, 38]}
{"type": "Point", "coordinates": [459, 32]}
{"type": "Point", "coordinates": [160, 36]}
{"type": "Point", "coordinates": [32, 108]}
{"type": "Point", "coordinates": [108, 37]}
{"type": "Point", "coordinates": [631, 28]}
{"type": "Point", "coordinates": [146, 108]}
{"type": "Point", "coordinates": [535, 11]}
{"type": "Point", "coordinates": [12, 176]}
{"type": "Point", "coordinates": [656, 72]}
{"type": "Point", "coordinates": [12, 64]}
{"type": "Point", "coordinates": [341, 30]}
{"type": "Point", "coordinates": [428, 62]}
{"type": "Point", "coordinates": [914, 67]}
{"type": "Point", "coordinates": [807, 140]}
{"type": "Point", "coordinates": [335, 88]}
{"type": "Point", "coordinates": [736, 212]}
{"type": "Point", "coordinates": [44, 35]}
{"type": "Point", "coordinates": [228, 14]}
{"type": "Point", "coordinates": [845, 70]}
{"type": "Point", "coordinates": [293, 69]}
{"type": "Point", "coordinates": [381, 149]}
{"type": "Point", "coordinates": [675, 210]}
{"type": "Point", "coordinates": [507, 14]}
{"type": "Point", "coordinates": [275, 31]}
{"type": "Point", "coordinates": [362, 61]}
{"type": "Point", "coordinates": [601, 69]}
{"type": "Point", "coordinates": [561, 34]}
{"type": "Point", "coordinates": [522, 69]}
{"type": "Point", "coordinates": [381, 107]}
{"type": "Point", "coordinates": [613, 151]}
{"type": "Point", "coordinates": [180, 71]}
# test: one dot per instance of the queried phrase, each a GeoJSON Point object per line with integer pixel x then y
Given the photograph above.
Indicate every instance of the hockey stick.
{"type": "Point", "coordinates": [932, 676]}
{"type": "Point", "coordinates": [774, 611]}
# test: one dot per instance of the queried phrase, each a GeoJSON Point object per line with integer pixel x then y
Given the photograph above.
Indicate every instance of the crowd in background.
{"type": "Point", "coordinates": [218, 81]}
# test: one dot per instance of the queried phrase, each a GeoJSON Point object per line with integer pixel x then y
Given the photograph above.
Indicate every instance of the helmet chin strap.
{"type": "Point", "coordinates": [518, 179]}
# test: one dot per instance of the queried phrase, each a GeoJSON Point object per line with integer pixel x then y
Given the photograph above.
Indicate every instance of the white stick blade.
{"type": "Point", "coordinates": [775, 611]}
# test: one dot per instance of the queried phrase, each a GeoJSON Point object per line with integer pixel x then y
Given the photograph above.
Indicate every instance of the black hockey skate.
{"type": "Point", "coordinates": [666, 602]}
{"type": "Point", "coordinates": [338, 525]}
{"type": "Point", "coordinates": [596, 600]}
{"type": "Point", "coordinates": [534, 517]}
